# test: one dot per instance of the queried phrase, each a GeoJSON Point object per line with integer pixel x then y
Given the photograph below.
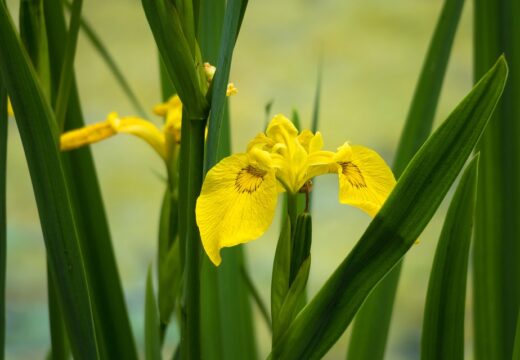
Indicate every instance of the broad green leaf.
{"type": "Point", "coordinates": [293, 301]}
{"type": "Point", "coordinates": [151, 322]}
{"type": "Point", "coordinates": [497, 227]}
{"type": "Point", "coordinates": [179, 60]}
{"type": "Point", "coordinates": [393, 231]}
{"type": "Point", "coordinates": [281, 273]}
{"type": "Point", "coordinates": [443, 324]}
{"type": "Point", "coordinates": [38, 130]}
{"type": "Point", "coordinates": [3, 228]}
{"type": "Point", "coordinates": [114, 335]}
{"type": "Point", "coordinates": [372, 324]}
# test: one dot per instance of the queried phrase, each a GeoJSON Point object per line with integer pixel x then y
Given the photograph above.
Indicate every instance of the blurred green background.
{"type": "Point", "coordinates": [372, 53]}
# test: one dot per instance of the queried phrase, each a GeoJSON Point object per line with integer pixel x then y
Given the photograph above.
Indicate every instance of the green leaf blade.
{"type": "Point", "coordinates": [38, 131]}
{"type": "Point", "coordinates": [151, 322]}
{"type": "Point", "coordinates": [443, 325]}
{"type": "Point", "coordinates": [406, 212]}
{"type": "Point", "coordinates": [372, 324]}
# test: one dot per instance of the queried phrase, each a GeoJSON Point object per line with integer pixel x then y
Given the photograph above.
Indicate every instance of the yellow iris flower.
{"type": "Point", "coordinates": [239, 195]}
{"type": "Point", "coordinates": [162, 140]}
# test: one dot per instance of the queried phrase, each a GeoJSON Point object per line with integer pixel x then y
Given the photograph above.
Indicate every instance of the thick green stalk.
{"type": "Point", "coordinates": [516, 350]}
{"type": "Point", "coordinates": [3, 230]}
{"type": "Point", "coordinates": [372, 324]}
{"type": "Point", "coordinates": [497, 249]}
{"type": "Point", "coordinates": [190, 341]}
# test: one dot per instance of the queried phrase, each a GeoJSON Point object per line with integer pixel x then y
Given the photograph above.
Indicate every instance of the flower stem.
{"type": "Point", "coordinates": [190, 341]}
{"type": "Point", "coordinates": [292, 209]}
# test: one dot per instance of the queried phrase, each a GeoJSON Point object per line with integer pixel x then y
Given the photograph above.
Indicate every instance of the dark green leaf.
{"type": "Point", "coordinates": [497, 227]}
{"type": "Point", "coordinates": [59, 343]}
{"type": "Point", "coordinates": [67, 65]}
{"type": "Point", "coordinates": [443, 325]}
{"type": "Point", "coordinates": [179, 60]}
{"type": "Point", "coordinates": [39, 132]}
{"type": "Point", "coordinates": [370, 331]}
{"type": "Point", "coordinates": [151, 322]}
{"type": "Point", "coordinates": [232, 20]}
{"type": "Point", "coordinates": [114, 334]}
{"type": "Point", "coordinates": [393, 231]}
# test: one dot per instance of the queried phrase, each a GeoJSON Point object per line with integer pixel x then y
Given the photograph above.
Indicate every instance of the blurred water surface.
{"type": "Point", "coordinates": [372, 53]}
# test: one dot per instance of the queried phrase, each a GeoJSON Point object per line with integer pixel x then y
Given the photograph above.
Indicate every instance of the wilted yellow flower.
{"type": "Point", "coordinates": [239, 195]}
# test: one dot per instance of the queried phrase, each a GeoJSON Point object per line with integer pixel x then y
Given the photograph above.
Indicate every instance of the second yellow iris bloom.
{"type": "Point", "coordinates": [239, 195]}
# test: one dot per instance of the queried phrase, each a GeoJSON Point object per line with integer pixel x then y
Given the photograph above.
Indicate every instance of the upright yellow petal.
{"type": "Point", "coordinates": [365, 180]}
{"type": "Point", "coordinates": [86, 135]}
{"type": "Point", "coordinates": [236, 204]}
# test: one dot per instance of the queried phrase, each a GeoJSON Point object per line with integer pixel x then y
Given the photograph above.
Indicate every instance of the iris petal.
{"type": "Point", "coordinates": [236, 205]}
{"type": "Point", "coordinates": [365, 180]}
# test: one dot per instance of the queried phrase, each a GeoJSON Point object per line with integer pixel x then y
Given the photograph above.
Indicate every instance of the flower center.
{"type": "Point", "coordinates": [353, 174]}
{"type": "Point", "coordinates": [249, 179]}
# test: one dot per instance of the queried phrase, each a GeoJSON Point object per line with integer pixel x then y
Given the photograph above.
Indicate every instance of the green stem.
{"type": "Point", "coordinates": [190, 340]}
{"type": "Point", "coordinates": [292, 209]}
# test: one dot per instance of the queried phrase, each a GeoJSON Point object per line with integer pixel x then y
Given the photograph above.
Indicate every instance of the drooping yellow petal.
{"type": "Point", "coordinates": [112, 125]}
{"type": "Point", "coordinates": [365, 180]}
{"type": "Point", "coordinates": [86, 135]}
{"type": "Point", "coordinates": [140, 128]}
{"type": "Point", "coordinates": [236, 204]}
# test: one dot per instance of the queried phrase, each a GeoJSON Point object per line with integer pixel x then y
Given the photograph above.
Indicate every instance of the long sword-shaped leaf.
{"type": "Point", "coordinates": [404, 215]}
{"type": "Point", "coordinates": [231, 317]}
{"type": "Point", "coordinates": [112, 321]}
{"type": "Point", "coordinates": [151, 322]}
{"type": "Point", "coordinates": [372, 324]}
{"type": "Point", "coordinates": [497, 230]}
{"type": "Point", "coordinates": [179, 60]}
{"type": "Point", "coordinates": [232, 20]}
{"type": "Point", "coordinates": [67, 66]}
{"type": "Point", "coordinates": [3, 229]}
{"type": "Point", "coordinates": [443, 325]}
{"type": "Point", "coordinates": [39, 132]}
{"type": "Point", "coordinates": [59, 341]}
